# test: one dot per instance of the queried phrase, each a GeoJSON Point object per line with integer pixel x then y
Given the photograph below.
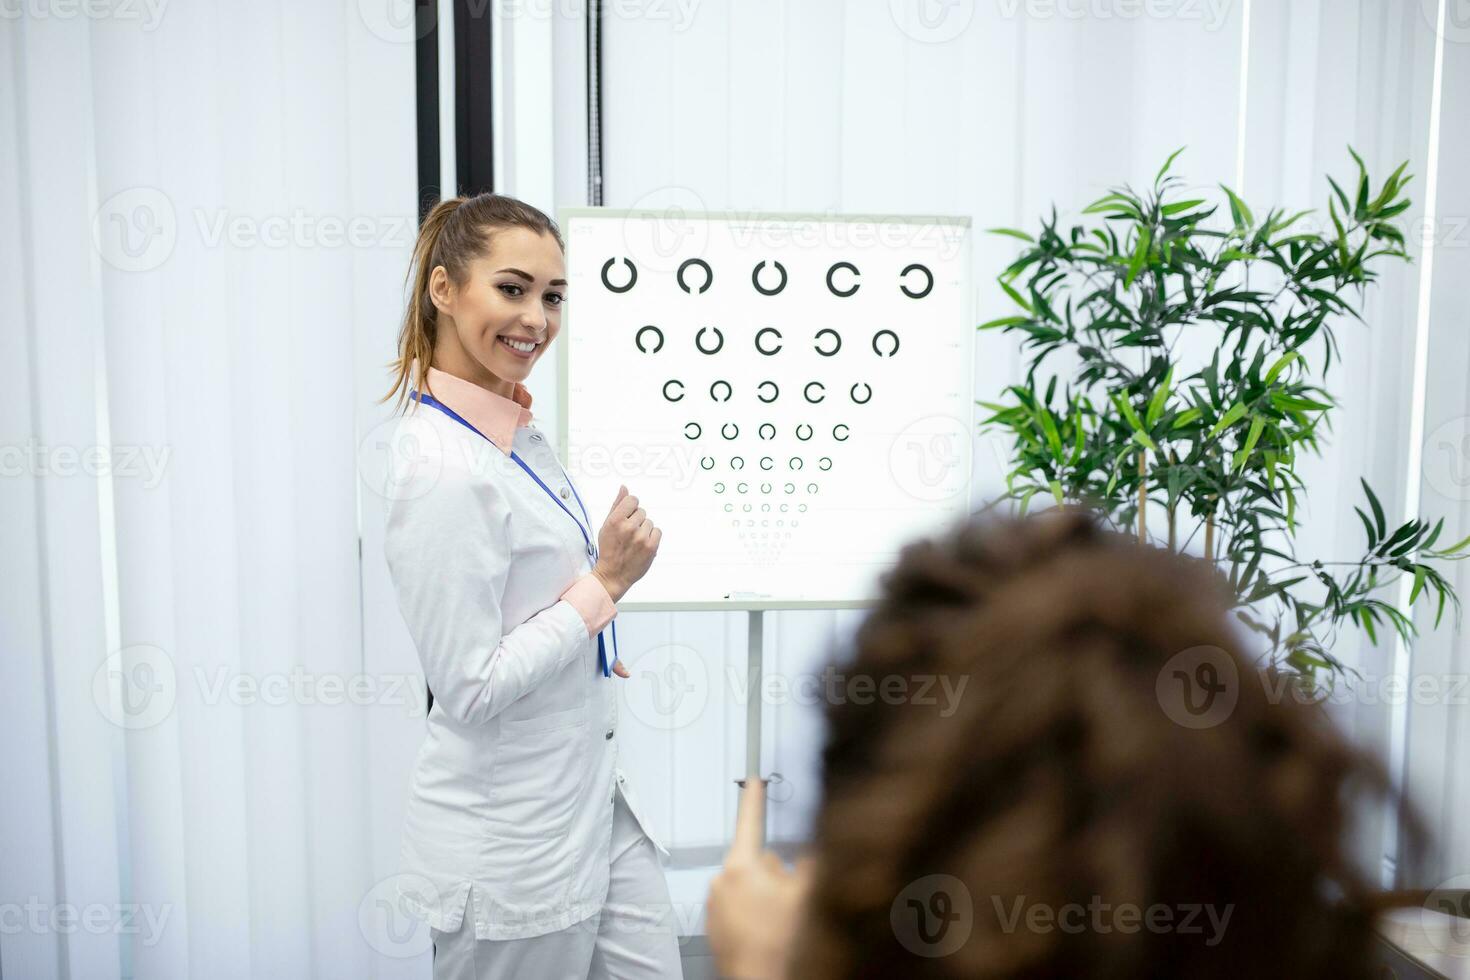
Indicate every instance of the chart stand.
{"type": "Point", "coordinates": [754, 657]}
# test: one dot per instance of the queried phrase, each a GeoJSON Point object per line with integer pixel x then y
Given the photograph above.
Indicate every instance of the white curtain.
{"type": "Point", "coordinates": [207, 210]}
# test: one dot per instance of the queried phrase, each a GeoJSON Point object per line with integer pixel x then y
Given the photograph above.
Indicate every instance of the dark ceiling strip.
{"type": "Point", "coordinates": [426, 103]}
{"type": "Point", "coordinates": [474, 105]}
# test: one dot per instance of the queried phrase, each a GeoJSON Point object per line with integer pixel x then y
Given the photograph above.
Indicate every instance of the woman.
{"type": "Point", "coordinates": [1057, 819]}
{"type": "Point", "coordinates": [518, 811]}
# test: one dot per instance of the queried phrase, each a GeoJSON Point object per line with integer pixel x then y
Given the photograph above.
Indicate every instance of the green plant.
{"type": "Point", "coordinates": [1134, 416]}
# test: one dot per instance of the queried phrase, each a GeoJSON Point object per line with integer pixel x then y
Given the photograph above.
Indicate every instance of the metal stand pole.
{"type": "Point", "coordinates": [753, 686]}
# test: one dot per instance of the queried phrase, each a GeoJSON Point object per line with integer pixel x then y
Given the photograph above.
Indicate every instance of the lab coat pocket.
{"type": "Point", "coordinates": [536, 780]}
{"type": "Point", "coordinates": [559, 703]}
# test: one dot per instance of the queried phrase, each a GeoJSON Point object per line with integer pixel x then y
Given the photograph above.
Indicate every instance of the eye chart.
{"type": "Point", "coordinates": [789, 396]}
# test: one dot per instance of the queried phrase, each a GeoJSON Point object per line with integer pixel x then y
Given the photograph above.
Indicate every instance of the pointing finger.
{"type": "Point", "coordinates": [750, 823]}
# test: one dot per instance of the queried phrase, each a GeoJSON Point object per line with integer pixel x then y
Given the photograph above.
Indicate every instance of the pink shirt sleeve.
{"type": "Point", "coordinates": [588, 596]}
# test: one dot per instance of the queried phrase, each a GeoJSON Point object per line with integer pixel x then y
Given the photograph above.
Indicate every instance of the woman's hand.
{"type": "Point", "coordinates": [754, 903]}
{"type": "Point", "coordinates": [626, 545]}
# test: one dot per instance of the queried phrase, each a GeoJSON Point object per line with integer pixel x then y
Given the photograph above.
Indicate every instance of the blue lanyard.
{"type": "Point", "coordinates": [591, 548]}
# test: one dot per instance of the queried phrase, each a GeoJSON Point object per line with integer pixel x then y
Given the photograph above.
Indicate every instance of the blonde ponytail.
{"type": "Point", "coordinates": [453, 234]}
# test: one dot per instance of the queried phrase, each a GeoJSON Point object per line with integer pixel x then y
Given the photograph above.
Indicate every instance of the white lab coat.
{"type": "Point", "coordinates": [510, 810]}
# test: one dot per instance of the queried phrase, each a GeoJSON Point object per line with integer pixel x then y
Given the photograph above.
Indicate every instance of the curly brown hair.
{"type": "Point", "coordinates": [1064, 818]}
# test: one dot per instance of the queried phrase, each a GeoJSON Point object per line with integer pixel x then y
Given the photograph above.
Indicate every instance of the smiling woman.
{"type": "Point", "coordinates": [495, 268]}
{"type": "Point", "coordinates": [523, 848]}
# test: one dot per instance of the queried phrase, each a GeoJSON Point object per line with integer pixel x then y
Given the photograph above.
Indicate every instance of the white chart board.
{"type": "Point", "coordinates": [790, 396]}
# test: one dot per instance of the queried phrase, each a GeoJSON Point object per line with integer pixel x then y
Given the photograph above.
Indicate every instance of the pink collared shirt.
{"type": "Point", "coordinates": [498, 417]}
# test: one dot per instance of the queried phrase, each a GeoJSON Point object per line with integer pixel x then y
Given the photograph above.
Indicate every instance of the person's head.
{"type": "Point", "coordinates": [486, 270]}
{"type": "Point", "coordinates": [1081, 823]}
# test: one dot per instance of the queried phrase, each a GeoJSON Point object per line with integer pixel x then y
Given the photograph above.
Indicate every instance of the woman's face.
{"type": "Point", "coordinates": [513, 293]}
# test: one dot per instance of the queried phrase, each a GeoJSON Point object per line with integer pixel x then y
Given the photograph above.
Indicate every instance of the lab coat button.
{"type": "Point", "coordinates": [535, 437]}
{"type": "Point", "coordinates": [565, 493]}
{"type": "Point", "coordinates": [609, 734]}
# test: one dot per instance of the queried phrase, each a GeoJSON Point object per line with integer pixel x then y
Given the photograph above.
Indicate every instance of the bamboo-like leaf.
{"type": "Point", "coordinates": [1167, 163]}
{"type": "Point", "coordinates": [1232, 415]}
{"type": "Point", "coordinates": [1378, 518]}
{"type": "Point", "coordinates": [1280, 365]}
{"type": "Point", "coordinates": [1455, 548]}
{"type": "Point", "coordinates": [1019, 299]}
{"type": "Point", "coordinates": [1140, 253]}
{"type": "Point", "coordinates": [1005, 321]}
{"type": "Point", "coordinates": [1157, 402]}
{"type": "Point", "coordinates": [1013, 232]}
{"type": "Point", "coordinates": [1257, 423]}
{"type": "Point", "coordinates": [1238, 210]}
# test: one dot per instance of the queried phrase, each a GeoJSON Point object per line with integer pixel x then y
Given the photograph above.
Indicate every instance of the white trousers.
{"type": "Point", "coordinates": [634, 937]}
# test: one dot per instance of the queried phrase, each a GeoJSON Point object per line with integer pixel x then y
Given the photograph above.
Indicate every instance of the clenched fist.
{"type": "Point", "coordinates": [626, 545]}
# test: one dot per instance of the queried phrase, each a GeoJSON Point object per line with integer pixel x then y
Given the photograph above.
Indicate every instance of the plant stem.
{"type": "Point", "coordinates": [1142, 497]}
